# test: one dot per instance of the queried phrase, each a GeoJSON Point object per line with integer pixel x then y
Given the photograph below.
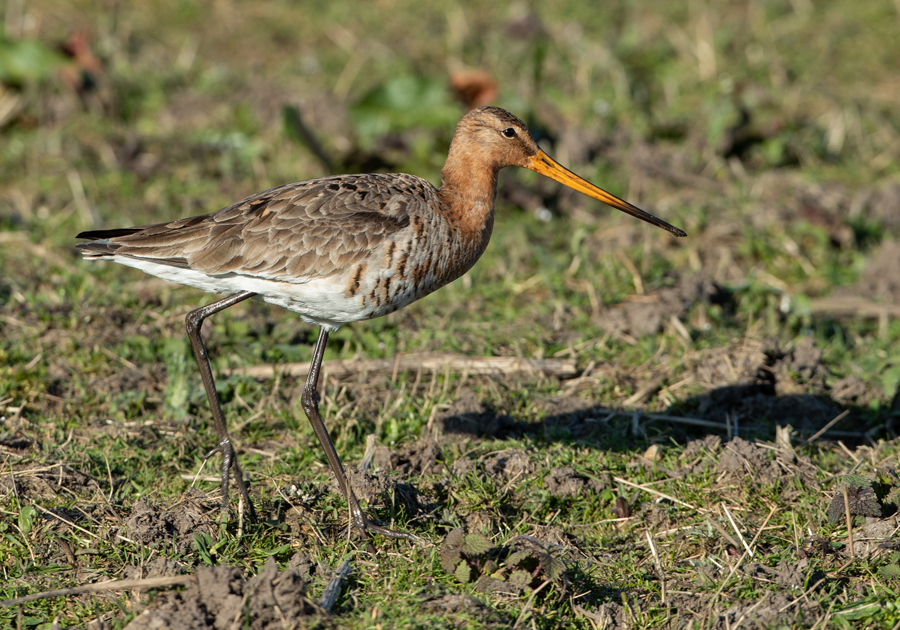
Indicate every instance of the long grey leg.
{"type": "Point", "coordinates": [310, 402]}
{"type": "Point", "coordinates": [193, 322]}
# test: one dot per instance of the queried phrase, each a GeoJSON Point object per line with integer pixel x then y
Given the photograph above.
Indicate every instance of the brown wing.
{"type": "Point", "coordinates": [306, 229]}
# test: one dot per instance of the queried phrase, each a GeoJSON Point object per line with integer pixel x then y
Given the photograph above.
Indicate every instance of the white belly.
{"type": "Point", "coordinates": [320, 301]}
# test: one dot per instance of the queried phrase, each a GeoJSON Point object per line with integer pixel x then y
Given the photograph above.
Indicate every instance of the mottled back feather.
{"type": "Point", "coordinates": [293, 232]}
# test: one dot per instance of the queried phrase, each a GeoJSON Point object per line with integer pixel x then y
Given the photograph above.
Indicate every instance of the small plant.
{"type": "Point", "coordinates": [861, 500]}
{"type": "Point", "coordinates": [522, 567]}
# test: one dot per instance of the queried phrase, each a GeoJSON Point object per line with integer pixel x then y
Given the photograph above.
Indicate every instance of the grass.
{"type": "Point", "coordinates": [768, 131]}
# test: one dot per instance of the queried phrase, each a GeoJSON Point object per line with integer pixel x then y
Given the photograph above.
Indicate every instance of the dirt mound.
{"type": "Point", "coordinates": [463, 466]}
{"type": "Point", "coordinates": [565, 482]}
{"type": "Point", "coordinates": [378, 490]}
{"type": "Point", "coordinates": [507, 465]}
{"type": "Point", "coordinates": [759, 384]}
{"type": "Point", "coordinates": [772, 609]}
{"type": "Point", "coordinates": [152, 525]}
{"type": "Point", "coordinates": [220, 598]}
{"type": "Point", "coordinates": [421, 457]}
{"type": "Point", "coordinates": [648, 314]}
{"type": "Point", "coordinates": [850, 389]}
{"type": "Point", "coordinates": [452, 603]}
{"type": "Point", "coordinates": [881, 278]}
{"type": "Point", "coordinates": [46, 482]}
{"type": "Point", "coordinates": [741, 458]}
{"type": "Point", "coordinates": [792, 574]}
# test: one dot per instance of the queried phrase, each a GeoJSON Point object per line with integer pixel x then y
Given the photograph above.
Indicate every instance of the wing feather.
{"type": "Point", "coordinates": [292, 232]}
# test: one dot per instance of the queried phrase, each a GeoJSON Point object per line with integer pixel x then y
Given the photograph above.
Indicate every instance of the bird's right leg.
{"type": "Point", "coordinates": [193, 322]}
{"type": "Point", "coordinates": [310, 402]}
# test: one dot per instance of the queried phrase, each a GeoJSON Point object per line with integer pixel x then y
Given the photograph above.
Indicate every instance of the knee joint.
{"type": "Point", "coordinates": [193, 322]}
{"type": "Point", "coordinates": [308, 398]}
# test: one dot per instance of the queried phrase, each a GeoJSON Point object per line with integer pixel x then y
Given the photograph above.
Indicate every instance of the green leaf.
{"type": "Point", "coordinates": [26, 519]}
{"type": "Point", "coordinates": [201, 542]}
{"type": "Point", "coordinates": [555, 568]}
{"type": "Point", "coordinates": [450, 559]}
{"type": "Point", "coordinates": [476, 544]}
{"type": "Point", "coordinates": [890, 378]}
{"type": "Point", "coordinates": [400, 103]}
{"type": "Point", "coordinates": [450, 550]}
{"type": "Point", "coordinates": [520, 578]}
{"type": "Point", "coordinates": [517, 557]}
{"type": "Point", "coordinates": [893, 497]}
{"type": "Point", "coordinates": [857, 481]}
{"type": "Point", "coordinates": [889, 571]}
{"type": "Point", "coordinates": [861, 501]}
{"type": "Point", "coordinates": [24, 61]}
{"type": "Point", "coordinates": [862, 611]}
{"type": "Point", "coordinates": [463, 573]}
{"type": "Point", "coordinates": [279, 550]}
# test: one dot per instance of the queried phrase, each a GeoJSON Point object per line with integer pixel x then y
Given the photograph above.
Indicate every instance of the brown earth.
{"type": "Point", "coordinates": [221, 598]}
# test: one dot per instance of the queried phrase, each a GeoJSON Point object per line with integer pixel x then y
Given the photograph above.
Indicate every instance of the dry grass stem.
{"type": "Point", "coordinates": [103, 587]}
{"type": "Point", "coordinates": [432, 362]}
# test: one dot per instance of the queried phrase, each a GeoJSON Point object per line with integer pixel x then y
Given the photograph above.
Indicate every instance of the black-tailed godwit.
{"type": "Point", "coordinates": [341, 249]}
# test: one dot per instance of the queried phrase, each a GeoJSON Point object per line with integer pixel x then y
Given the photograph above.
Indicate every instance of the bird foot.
{"type": "Point", "coordinates": [229, 463]}
{"type": "Point", "coordinates": [363, 524]}
{"type": "Point", "coordinates": [372, 528]}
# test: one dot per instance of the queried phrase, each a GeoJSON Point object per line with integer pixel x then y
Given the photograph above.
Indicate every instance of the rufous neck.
{"type": "Point", "coordinates": [468, 191]}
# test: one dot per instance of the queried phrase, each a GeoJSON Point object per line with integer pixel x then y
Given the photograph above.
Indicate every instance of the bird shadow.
{"type": "Point", "coordinates": [750, 411]}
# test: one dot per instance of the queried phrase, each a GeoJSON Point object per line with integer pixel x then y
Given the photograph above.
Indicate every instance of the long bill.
{"type": "Point", "coordinates": [548, 167]}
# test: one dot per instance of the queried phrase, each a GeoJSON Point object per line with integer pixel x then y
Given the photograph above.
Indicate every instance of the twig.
{"type": "Point", "coordinates": [801, 596]}
{"type": "Point", "coordinates": [656, 492]}
{"type": "Point", "coordinates": [529, 602]}
{"type": "Point", "coordinates": [236, 621]}
{"type": "Point", "coordinates": [647, 390]}
{"type": "Point", "coordinates": [102, 587]}
{"type": "Point", "coordinates": [762, 527]}
{"type": "Point", "coordinates": [738, 563]}
{"type": "Point", "coordinates": [331, 592]}
{"type": "Point", "coordinates": [736, 530]}
{"type": "Point", "coordinates": [81, 529]}
{"type": "Point", "coordinates": [659, 569]}
{"type": "Point", "coordinates": [433, 362]}
{"type": "Point", "coordinates": [608, 520]}
{"type": "Point", "coordinates": [725, 581]}
{"type": "Point", "coordinates": [369, 454]}
{"type": "Point", "coordinates": [686, 420]}
{"type": "Point", "coordinates": [815, 436]}
{"type": "Point", "coordinates": [849, 520]}
{"type": "Point", "coordinates": [195, 478]}
{"type": "Point", "coordinates": [30, 471]}
{"type": "Point", "coordinates": [849, 453]}
{"type": "Point", "coordinates": [724, 534]}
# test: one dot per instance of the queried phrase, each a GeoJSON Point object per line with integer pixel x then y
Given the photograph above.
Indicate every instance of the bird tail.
{"type": "Point", "coordinates": [99, 244]}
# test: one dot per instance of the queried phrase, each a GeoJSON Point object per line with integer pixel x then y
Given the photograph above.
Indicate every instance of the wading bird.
{"type": "Point", "coordinates": [341, 249]}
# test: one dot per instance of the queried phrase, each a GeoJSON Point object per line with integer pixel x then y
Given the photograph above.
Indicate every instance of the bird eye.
{"type": "Point", "coordinates": [509, 132]}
